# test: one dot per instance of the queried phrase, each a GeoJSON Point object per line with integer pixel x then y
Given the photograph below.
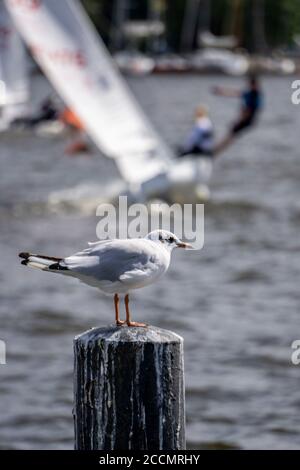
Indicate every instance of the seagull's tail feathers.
{"type": "Point", "coordinates": [46, 263]}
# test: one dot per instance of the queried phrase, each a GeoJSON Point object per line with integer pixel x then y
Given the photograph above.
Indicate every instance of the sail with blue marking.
{"type": "Point", "coordinates": [73, 57]}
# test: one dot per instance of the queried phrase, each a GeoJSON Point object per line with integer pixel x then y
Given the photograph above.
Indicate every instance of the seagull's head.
{"type": "Point", "coordinates": [167, 239]}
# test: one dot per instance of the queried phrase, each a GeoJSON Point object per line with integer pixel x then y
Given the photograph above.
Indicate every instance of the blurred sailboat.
{"type": "Point", "coordinates": [14, 84]}
{"type": "Point", "coordinates": [73, 57]}
{"type": "Point", "coordinates": [134, 63]}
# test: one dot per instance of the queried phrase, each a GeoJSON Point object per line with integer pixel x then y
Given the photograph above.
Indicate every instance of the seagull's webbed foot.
{"type": "Point", "coordinates": [135, 323]}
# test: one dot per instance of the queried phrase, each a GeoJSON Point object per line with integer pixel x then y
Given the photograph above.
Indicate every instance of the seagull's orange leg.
{"type": "Point", "coordinates": [128, 316]}
{"type": "Point", "coordinates": [116, 302]}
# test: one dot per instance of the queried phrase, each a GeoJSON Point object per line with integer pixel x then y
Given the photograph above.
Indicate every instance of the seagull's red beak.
{"type": "Point", "coordinates": [187, 246]}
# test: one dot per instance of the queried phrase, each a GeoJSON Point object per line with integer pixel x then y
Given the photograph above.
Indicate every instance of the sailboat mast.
{"type": "Point", "coordinates": [258, 16]}
{"type": "Point", "coordinates": [155, 10]}
{"type": "Point", "coordinates": [119, 17]}
{"type": "Point", "coordinates": [205, 16]}
{"type": "Point", "coordinates": [236, 21]}
{"type": "Point", "coordinates": [190, 22]}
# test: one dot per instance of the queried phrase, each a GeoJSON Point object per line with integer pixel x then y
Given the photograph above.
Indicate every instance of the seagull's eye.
{"type": "Point", "coordinates": [171, 240]}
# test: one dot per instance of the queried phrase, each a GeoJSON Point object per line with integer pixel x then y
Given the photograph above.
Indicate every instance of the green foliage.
{"type": "Point", "coordinates": [174, 21]}
{"type": "Point", "coordinates": [280, 23]}
{"type": "Point", "coordinates": [100, 12]}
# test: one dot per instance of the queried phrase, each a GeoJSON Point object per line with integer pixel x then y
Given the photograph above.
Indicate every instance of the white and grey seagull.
{"type": "Point", "coordinates": [115, 266]}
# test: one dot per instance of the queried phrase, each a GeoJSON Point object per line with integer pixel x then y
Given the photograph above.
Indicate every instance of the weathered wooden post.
{"type": "Point", "coordinates": [129, 389]}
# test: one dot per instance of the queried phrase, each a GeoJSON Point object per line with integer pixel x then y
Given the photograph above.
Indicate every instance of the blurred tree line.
{"type": "Point", "coordinates": [258, 25]}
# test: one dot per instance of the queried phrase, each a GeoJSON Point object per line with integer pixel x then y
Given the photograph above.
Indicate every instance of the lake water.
{"type": "Point", "coordinates": [235, 302]}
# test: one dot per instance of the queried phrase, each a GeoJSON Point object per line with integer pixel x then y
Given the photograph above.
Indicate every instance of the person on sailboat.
{"type": "Point", "coordinates": [47, 112]}
{"type": "Point", "coordinates": [200, 140]}
{"type": "Point", "coordinates": [251, 104]}
{"type": "Point", "coordinates": [78, 142]}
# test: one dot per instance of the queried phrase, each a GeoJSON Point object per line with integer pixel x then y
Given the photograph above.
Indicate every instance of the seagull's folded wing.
{"type": "Point", "coordinates": [116, 260]}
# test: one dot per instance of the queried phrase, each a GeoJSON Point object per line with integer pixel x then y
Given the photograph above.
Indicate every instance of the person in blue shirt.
{"type": "Point", "coordinates": [251, 104]}
{"type": "Point", "coordinates": [200, 141]}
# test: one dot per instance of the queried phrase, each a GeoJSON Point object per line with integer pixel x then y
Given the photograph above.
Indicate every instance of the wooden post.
{"type": "Point", "coordinates": [129, 389]}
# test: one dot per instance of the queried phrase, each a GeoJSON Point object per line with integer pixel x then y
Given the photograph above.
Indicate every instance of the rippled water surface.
{"type": "Point", "coordinates": [236, 302]}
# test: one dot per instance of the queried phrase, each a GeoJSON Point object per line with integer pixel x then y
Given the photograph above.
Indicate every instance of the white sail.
{"type": "Point", "coordinates": [74, 58]}
{"type": "Point", "coordinates": [14, 85]}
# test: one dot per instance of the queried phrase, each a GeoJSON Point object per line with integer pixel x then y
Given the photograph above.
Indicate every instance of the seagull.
{"type": "Point", "coordinates": [116, 266]}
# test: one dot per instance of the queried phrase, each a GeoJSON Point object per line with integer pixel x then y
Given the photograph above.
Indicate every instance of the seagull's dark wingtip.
{"type": "Point", "coordinates": [24, 255]}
